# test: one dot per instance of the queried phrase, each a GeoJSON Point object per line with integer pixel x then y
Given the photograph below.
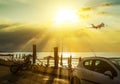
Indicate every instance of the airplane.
{"type": "Point", "coordinates": [99, 26]}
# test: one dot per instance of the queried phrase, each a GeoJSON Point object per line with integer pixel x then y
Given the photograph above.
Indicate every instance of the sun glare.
{"type": "Point", "coordinates": [68, 54]}
{"type": "Point", "coordinates": [66, 16]}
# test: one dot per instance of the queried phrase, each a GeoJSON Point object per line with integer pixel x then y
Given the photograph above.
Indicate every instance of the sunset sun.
{"type": "Point", "coordinates": [66, 16]}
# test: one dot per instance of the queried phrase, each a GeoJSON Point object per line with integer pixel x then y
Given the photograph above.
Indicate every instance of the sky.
{"type": "Point", "coordinates": [27, 22]}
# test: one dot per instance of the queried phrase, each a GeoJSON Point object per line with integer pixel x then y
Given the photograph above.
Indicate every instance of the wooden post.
{"type": "Point", "coordinates": [23, 55]}
{"type": "Point", "coordinates": [70, 61]}
{"type": "Point", "coordinates": [34, 54]}
{"type": "Point", "coordinates": [56, 58]}
{"type": "Point", "coordinates": [48, 61]}
{"type": "Point", "coordinates": [79, 59]}
{"type": "Point", "coordinates": [61, 60]}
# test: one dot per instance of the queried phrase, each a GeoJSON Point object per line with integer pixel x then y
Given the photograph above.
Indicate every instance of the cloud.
{"type": "Point", "coordinates": [85, 16]}
{"type": "Point", "coordinates": [22, 1]}
{"type": "Point", "coordinates": [86, 9]}
{"type": "Point", "coordinates": [90, 8]}
{"type": "Point", "coordinates": [106, 4]}
{"type": "Point", "coordinates": [115, 2]}
{"type": "Point", "coordinates": [94, 10]}
{"type": "Point", "coordinates": [12, 41]}
{"type": "Point", "coordinates": [118, 31]}
{"type": "Point", "coordinates": [13, 1]}
{"type": "Point", "coordinates": [112, 3]}
{"type": "Point", "coordinates": [2, 26]}
{"type": "Point", "coordinates": [10, 27]}
{"type": "Point", "coordinates": [85, 12]}
{"type": "Point", "coordinates": [102, 13]}
{"type": "Point", "coordinates": [23, 37]}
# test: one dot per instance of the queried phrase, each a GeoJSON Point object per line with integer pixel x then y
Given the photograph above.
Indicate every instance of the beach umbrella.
{"type": "Point", "coordinates": [48, 58]}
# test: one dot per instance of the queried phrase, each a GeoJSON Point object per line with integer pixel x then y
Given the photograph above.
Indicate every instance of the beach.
{"type": "Point", "coordinates": [29, 77]}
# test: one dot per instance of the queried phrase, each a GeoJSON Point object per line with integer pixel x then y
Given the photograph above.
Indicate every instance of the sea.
{"type": "Point", "coordinates": [76, 55]}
